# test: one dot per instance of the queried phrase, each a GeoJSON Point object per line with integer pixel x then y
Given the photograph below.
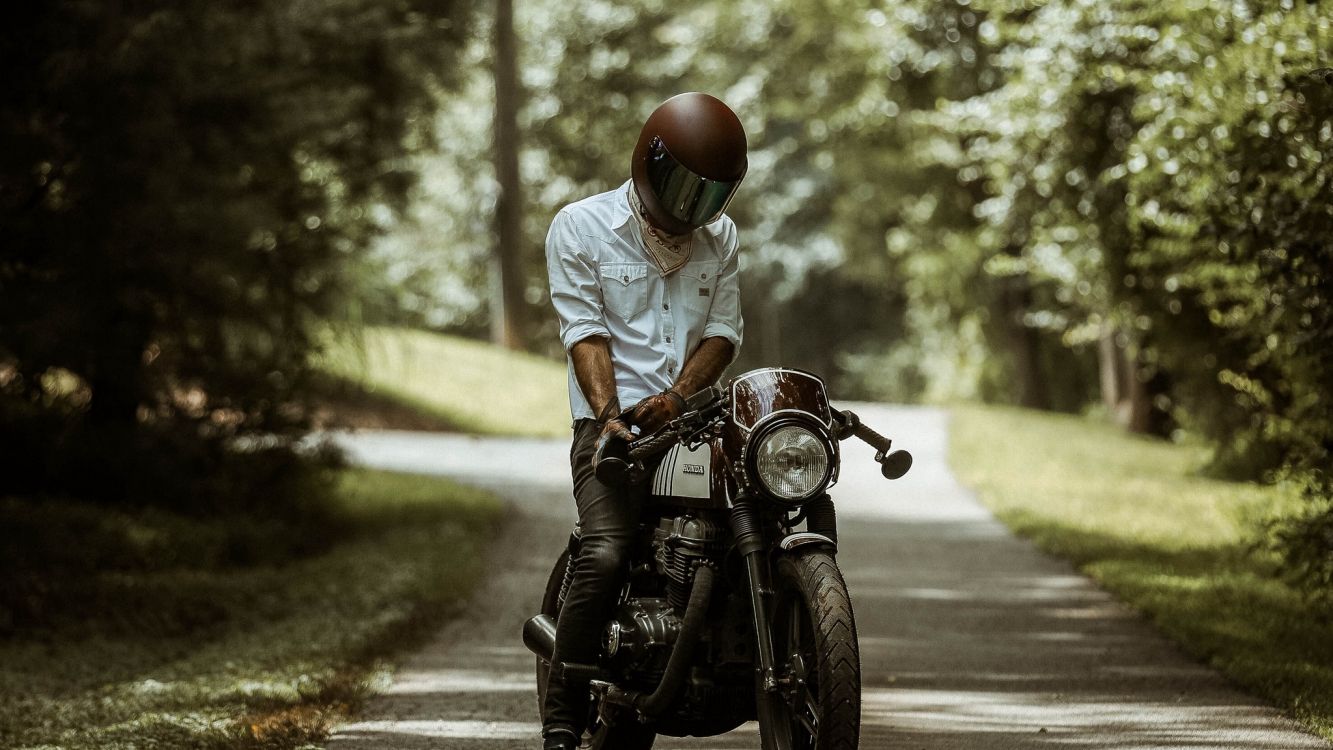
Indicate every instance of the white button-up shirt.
{"type": "Point", "coordinates": [604, 284]}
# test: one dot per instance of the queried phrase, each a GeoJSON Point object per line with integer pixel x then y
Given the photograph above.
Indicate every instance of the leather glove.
{"type": "Point", "coordinates": [610, 461]}
{"type": "Point", "coordinates": [653, 412]}
{"type": "Point", "coordinates": [614, 428]}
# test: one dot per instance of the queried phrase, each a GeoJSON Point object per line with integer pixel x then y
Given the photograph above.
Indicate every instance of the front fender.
{"type": "Point", "coordinates": [806, 538]}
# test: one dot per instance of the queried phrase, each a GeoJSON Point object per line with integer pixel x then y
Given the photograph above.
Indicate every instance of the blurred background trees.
{"type": "Point", "coordinates": [1118, 207]}
{"type": "Point", "coordinates": [186, 190]}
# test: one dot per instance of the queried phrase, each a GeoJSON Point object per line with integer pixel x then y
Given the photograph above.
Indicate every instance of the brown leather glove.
{"type": "Point", "coordinates": [656, 410]}
{"type": "Point", "coordinates": [613, 428]}
{"type": "Point", "coordinates": [610, 458]}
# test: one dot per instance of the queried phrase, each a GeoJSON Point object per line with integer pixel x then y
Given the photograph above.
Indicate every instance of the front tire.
{"type": "Point", "coordinates": [626, 734]}
{"type": "Point", "coordinates": [815, 648]}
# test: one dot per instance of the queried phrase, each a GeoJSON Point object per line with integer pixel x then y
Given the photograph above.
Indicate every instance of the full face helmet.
{"type": "Point", "coordinates": [688, 162]}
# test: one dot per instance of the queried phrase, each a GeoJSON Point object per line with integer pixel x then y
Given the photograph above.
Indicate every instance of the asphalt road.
{"type": "Point", "coordinates": [970, 638]}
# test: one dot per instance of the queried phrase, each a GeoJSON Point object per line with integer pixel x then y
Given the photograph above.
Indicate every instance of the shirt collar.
{"type": "Point", "coordinates": [622, 214]}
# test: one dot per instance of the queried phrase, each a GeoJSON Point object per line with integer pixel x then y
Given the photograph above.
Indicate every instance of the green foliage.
{"type": "Point", "coordinates": [185, 188]}
{"type": "Point", "coordinates": [1153, 177]}
{"type": "Point", "coordinates": [1134, 514]}
{"type": "Point", "coordinates": [165, 634]}
{"type": "Point", "coordinates": [1023, 202]}
{"type": "Point", "coordinates": [457, 380]}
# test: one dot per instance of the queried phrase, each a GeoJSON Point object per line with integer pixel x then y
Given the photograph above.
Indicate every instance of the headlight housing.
{"type": "Point", "coordinates": [791, 461]}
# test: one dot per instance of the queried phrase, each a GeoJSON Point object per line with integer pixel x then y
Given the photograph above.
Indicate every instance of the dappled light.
{"type": "Point", "coordinates": [250, 250]}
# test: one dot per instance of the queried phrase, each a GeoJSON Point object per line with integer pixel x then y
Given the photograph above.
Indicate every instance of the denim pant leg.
{"type": "Point", "coordinates": [608, 517]}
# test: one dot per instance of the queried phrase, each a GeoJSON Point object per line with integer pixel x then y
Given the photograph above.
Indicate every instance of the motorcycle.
{"type": "Point", "coordinates": [731, 612]}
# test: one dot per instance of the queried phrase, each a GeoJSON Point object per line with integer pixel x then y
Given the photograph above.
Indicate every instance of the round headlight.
{"type": "Point", "coordinates": [791, 462]}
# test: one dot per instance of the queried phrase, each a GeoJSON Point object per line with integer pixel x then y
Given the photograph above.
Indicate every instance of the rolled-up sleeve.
{"type": "Point", "coordinates": [724, 317]}
{"type": "Point", "coordinates": [574, 291]}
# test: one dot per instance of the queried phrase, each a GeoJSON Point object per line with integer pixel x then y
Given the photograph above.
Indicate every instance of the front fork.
{"type": "Point", "coordinates": [747, 526]}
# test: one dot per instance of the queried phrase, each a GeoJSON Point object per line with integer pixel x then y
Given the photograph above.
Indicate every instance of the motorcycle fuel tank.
{"type": "Point", "coordinates": [692, 477]}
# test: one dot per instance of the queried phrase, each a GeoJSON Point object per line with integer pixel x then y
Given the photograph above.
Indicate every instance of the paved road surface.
{"type": "Point", "coordinates": [970, 638]}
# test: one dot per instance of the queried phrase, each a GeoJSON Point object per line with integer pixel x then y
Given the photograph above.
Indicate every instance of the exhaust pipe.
{"type": "Point", "coordinates": [539, 636]}
{"type": "Point", "coordinates": [656, 703]}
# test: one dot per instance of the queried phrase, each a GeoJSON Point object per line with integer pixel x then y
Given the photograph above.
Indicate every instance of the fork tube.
{"type": "Point", "coordinates": [754, 563]}
{"type": "Point", "coordinates": [746, 526]}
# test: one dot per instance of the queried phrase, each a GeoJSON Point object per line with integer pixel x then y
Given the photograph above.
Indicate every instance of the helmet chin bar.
{"type": "Point", "coordinates": [667, 226]}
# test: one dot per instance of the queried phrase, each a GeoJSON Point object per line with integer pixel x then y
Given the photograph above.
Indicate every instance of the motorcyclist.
{"type": "Point", "coordinates": [644, 280]}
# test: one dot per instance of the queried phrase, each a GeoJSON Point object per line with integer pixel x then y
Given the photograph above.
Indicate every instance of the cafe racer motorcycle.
{"type": "Point", "coordinates": [731, 611]}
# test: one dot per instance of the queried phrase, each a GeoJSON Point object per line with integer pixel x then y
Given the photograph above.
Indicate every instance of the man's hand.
{"type": "Point", "coordinates": [610, 466]}
{"type": "Point", "coordinates": [655, 411]}
{"type": "Point", "coordinates": [614, 428]}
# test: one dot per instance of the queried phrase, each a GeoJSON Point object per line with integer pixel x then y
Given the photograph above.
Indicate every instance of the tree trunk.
{"type": "Point", "coordinates": [115, 372]}
{"type": "Point", "coordinates": [1124, 392]}
{"type": "Point", "coordinates": [1112, 368]}
{"type": "Point", "coordinates": [507, 299]}
{"type": "Point", "coordinates": [1015, 297]}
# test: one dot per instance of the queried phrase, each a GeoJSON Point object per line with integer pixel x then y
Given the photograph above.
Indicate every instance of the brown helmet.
{"type": "Point", "coordinates": [688, 162]}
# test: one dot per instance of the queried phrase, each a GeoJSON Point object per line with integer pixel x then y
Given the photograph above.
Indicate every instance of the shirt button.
{"type": "Point", "coordinates": [666, 306]}
{"type": "Point", "coordinates": [668, 339]}
{"type": "Point", "coordinates": [703, 275]}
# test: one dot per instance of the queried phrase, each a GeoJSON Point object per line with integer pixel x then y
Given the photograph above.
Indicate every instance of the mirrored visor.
{"type": "Point", "coordinates": [685, 195]}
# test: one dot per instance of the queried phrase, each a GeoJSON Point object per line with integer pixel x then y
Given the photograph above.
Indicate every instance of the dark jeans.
{"type": "Point", "coordinates": [608, 517]}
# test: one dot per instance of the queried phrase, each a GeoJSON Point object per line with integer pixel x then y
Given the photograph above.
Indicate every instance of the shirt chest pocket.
{"type": "Point", "coordinates": [698, 283]}
{"type": "Point", "coordinates": [625, 288]}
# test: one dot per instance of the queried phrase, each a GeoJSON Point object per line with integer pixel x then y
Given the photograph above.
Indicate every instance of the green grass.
{"type": "Point", "coordinates": [1134, 514]}
{"type": "Point", "coordinates": [212, 655]}
{"type": "Point", "coordinates": [472, 385]}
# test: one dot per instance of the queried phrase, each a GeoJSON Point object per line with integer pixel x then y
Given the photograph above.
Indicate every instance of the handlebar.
{"type": "Point", "coordinates": [892, 464]}
{"type": "Point", "coordinates": [616, 460]}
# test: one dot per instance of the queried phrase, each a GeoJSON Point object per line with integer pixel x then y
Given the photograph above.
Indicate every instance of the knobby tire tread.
{"type": "Point", "coordinates": [820, 583]}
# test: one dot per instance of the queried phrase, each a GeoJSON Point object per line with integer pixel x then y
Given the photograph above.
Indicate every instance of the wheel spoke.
{"type": "Point", "coordinates": [812, 709]}
{"type": "Point", "coordinates": [810, 726]}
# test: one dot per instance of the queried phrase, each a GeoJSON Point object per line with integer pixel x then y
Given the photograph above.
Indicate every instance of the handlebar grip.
{"type": "Point", "coordinates": [652, 445]}
{"type": "Point", "coordinates": [876, 440]}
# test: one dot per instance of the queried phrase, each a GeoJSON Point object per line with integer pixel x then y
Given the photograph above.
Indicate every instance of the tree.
{"type": "Point", "coordinates": [508, 303]}
{"type": "Point", "coordinates": [185, 189]}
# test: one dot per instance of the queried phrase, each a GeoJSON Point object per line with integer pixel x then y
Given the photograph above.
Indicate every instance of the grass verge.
{"type": "Point", "coordinates": [1133, 514]}
{"type": "Point", "coordinates": [471, 385]}
{"type": "Point", "coordinates": [256, 656]}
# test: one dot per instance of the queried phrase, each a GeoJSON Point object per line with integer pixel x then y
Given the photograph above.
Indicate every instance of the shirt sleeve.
{"type": "Point", "coordinates": [724, 317]}
{"type": "Point", "coordinates": [575, 293]}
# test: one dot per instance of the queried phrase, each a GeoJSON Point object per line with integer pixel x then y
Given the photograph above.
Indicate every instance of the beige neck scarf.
{"type": "Point", "coordinates": [668, 251]}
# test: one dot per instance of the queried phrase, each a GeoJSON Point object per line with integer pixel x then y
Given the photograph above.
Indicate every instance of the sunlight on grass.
{"type": "Point", "coordinates": [1133, 513]}
{"type": "Point", "coordinates": [285, 650]}
{"type": "Point", "coordinates": [470, 384]}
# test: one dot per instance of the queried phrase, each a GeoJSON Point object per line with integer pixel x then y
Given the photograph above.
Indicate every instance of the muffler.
{"type": "Point", "coordinates": [539, 636]}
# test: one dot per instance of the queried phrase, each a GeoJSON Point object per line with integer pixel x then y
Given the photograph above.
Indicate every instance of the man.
{"type": "Point", "coordinates": [644, 280]}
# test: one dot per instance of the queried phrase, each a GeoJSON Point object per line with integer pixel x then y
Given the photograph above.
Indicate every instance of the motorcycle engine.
{"type": "Point", "coordinates": [679, 543]}
{"type": "Point", "coordinates": [641, 630]}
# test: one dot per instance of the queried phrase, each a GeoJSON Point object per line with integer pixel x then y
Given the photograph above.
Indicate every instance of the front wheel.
{"type": "Point", "coordinates": [815, 650]}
